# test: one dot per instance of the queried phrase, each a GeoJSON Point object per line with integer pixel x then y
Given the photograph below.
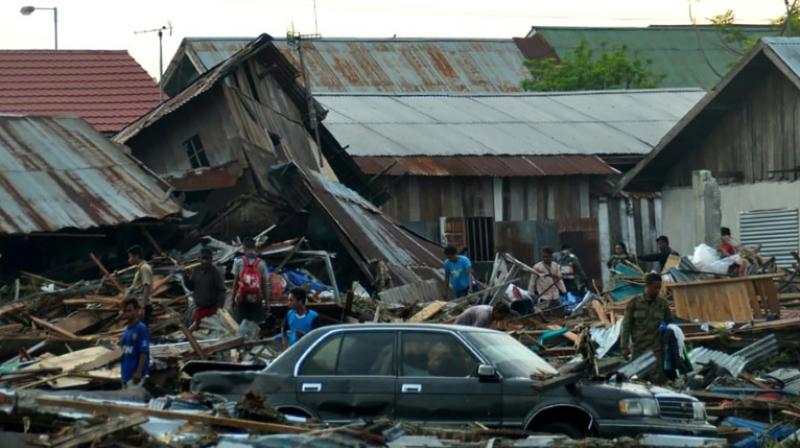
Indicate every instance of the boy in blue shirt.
{"type": "Point", "coordinates": [135, 346]}
{"type": "Point", "coordinates": [457, 274]}
{"type": "Point", "coordinates": [299, 320]}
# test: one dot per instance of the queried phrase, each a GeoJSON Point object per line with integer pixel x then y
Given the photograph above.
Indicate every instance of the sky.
{"type": "Point", "coordinates": [112, 24]}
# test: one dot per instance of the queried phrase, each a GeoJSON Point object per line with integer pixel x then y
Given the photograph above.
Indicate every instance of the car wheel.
{"type": "Point", "coordinates": [568, 429]}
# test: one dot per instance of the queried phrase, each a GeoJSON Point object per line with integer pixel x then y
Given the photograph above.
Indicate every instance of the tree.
{"type": "Point", "coordinates": [738, 41]}
{"type": "Point", "coordinates": [612, 68]}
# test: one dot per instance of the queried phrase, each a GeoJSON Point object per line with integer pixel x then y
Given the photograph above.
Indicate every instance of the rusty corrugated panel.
{"type": "Point", "coordinates": [387, 65]}
{"type": "Point", "coordinates": [492, 166]}
{"type": "Point", "coordinates": [58, 173]}
{"type": "Point", "coordinates": [367, 233]}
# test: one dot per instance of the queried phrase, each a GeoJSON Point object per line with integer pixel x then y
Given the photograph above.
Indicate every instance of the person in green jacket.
{"type": "Point", "coordinates": [640, 327]}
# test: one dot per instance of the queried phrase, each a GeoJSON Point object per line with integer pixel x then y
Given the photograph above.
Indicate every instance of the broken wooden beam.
{"type": "Point", "coordinates": [105, 272]}
{"type": "Point", "coordinates": [109, 408]}
{"type": "Point", "coordinates": [195, 345]}
{"type": "Point", "coordinates": [428, 312]}
{"type": "Point", "coordinates": [54, 328]}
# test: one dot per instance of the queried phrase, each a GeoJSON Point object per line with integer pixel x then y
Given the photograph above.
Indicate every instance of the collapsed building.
{"type": "Point", "coordinates": [222, 143]}
{"type": "Point", "coordinates": [67, 190]}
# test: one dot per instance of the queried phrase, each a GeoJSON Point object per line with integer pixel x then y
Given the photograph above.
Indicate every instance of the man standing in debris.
{"type": "Point", "coordinates": [135, 362]}
{"type": "Point", "coordinates": [142, 280]}
{"type": "Point", "coordinates": [484, 316]}
{"type": "Point", "coordinates": [249, 293]}
{"type": "Point", "coordinates": [208, 286]}
{"type": "Point", "coordinates": [664, 251]}
{"type": "Point", "coordinates": [457, 274]}
{"type": "Point", "coordinates": [571, 270]}
{"type": "Point", "coordinates": [643, 318]}
{"type": "Point", "coordinates": [299, 320]}
{"type": "Point", "coordinates": [546, 282]}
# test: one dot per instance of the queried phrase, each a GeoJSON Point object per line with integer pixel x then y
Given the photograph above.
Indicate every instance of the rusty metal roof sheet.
{"type": "Point", "coordinates": [363, 229]}
{"type": "Point", "coordinates": [493, 166]}
{"type": "Point", "coordinates": [380, 65]}
{"type": "Point", "coordinates": [58, 173]}
{"type": "Point", "coordinates": [557, 123]}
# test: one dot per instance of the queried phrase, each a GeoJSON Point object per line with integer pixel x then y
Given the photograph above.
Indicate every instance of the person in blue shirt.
{"type": "Point", "coordinates": [299, 320]}
{"type": "Point", "coordinates": [457, 274]}
{"type": "Point", "coordinates": [135, 346]}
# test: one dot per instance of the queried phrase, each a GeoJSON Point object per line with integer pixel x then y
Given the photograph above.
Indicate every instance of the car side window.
{"type": "Point", "coordinates": [323, 360]}
{"type": "Point", "coordinates": [435, 354]}
{"type": "Point", "coordinates": [367, 353]}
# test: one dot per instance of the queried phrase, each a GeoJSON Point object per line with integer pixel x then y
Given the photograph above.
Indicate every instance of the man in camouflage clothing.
{"type": "Point", "coordinates": [643, 317]}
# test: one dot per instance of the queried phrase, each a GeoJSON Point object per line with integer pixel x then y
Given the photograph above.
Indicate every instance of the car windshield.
{"type": "Point", "coordinates": [511, 358]}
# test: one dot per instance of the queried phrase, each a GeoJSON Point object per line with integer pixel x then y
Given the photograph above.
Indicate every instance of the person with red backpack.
{"type": "Point", "coordinates": [250, 290]}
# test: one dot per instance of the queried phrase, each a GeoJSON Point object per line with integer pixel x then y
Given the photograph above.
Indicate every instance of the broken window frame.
{"type": "Point", "coordinates": [196, 153]}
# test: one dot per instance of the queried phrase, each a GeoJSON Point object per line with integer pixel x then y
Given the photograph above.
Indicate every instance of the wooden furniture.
{"type": "Point", "coordinates": [737, 299]}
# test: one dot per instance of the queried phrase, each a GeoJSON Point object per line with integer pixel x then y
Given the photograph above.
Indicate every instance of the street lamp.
{"type": "Point", "coordinates": [28, 10]}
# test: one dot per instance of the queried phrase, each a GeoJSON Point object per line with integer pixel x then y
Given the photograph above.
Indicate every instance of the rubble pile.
{"type": "Point", "coordinates": [60, 373]}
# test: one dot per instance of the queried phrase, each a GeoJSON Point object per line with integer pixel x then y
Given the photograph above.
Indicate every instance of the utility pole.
{"type": "Point", "coordinates": [295, 39]}
{"type": "Point", "coordinates": [160, 32]}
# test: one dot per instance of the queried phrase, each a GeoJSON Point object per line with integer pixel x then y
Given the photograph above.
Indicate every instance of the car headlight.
{"type": "Point", "coordinates": [645, 407]}
{"type": "Point", "coordinates": [699, 411]}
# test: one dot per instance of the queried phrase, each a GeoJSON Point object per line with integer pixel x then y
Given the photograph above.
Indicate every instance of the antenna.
{"type": "Point", "coordinates": [160, 32]}
{"type": "Point", "coordinates": [316, 24]}
{"type": "Point", "coordinates": [295, 39]}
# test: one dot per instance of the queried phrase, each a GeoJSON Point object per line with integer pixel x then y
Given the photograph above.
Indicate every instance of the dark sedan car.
{"type": "Point", "coordinates": [450, 374]}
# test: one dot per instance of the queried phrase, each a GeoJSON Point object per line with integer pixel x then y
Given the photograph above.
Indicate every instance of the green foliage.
{"type": "Point", "coordinates": [737, 40]}
{"type": "Point", "coordinates": [612, 68]}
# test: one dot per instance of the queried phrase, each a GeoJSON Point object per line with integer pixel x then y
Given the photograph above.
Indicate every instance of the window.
{"type": "Point", "coordinates": [369, 353]}
{"type": "Point", "coordinates": [195, 152]}
{"type": "Point", "coordinates": [431, 354]}
{"type": "Point", "coordinates": [323, 360]}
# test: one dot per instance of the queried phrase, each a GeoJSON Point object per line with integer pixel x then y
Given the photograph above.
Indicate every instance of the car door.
{"type": "Point", "coordinates": [348, 375]}
{"type": "Point", "coordinates": [437, 381]}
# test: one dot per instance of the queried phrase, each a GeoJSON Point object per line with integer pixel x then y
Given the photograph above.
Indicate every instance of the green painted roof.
{"type": "Point", "coordinates": [688, 56]}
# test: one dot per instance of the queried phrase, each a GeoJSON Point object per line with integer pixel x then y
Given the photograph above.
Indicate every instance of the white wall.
{"type": "Point", "coordinates": [678, 208]}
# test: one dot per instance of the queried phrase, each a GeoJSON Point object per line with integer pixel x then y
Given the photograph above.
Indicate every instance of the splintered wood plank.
{"type": "Point", "coordinates": [769, 296]}
{"type": "Point", "coordinates": [429, 311]}
{"type": "Point", "coordinates": [53, 328]}
{"type": "Point", "coordinates": [88, 435]}
{"type": "Point", "coordinates": [109, 408]}
{"type": "Point", "coordinates": [228, 320]}
{"type": "Point", "coordinates": [193, 342]}
{"type": "Point", "coordinates": [113, 278]}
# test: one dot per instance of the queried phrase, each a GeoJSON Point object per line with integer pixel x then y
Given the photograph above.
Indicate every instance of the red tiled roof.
{"type": "Point", "coordinates": [107, 88]}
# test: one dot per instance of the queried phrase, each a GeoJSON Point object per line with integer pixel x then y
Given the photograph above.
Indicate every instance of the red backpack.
{"type": "Point", "coordinates": [250, 281]}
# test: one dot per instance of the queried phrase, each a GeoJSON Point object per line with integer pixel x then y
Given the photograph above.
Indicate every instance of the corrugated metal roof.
{"type": "Point", "coordinates": [493, 166]}
{"type": "Point", "coordinates": [58, 173]}
{"type": "Point", "coordinates": [109, 89]}
{"type": "Point", "coordinates": [379, 65]}
{"type": "Point", "coordinates": [688, 56]}
{"type": "Point", "coordinates": [575, 123]}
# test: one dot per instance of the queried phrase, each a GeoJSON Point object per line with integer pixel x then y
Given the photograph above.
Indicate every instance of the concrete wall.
{"type": "Point", "coordinates": [678, 208]}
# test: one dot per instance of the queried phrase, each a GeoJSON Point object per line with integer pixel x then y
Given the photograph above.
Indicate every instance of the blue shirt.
{"type": "Point", "coordinates": [135, 341]}
{"type": "Point", "coordinates": [459, 272]}
{"type": "Point", "coordinates": [295, 323]}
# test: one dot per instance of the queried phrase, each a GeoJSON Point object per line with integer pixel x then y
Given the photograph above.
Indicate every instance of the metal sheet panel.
{"type": "Point", "coordinates": [386, 65]}
{"type": "Point", "coordinates": [58, 173]}
{"type": "Point", "coordinates": [489, 166]}
{"type": "Point", "coordinates": [777, 231]}
{"type": "Point", "coordinates": [788, 49]}
{"type": "Point", "coordinates": [615, 122]}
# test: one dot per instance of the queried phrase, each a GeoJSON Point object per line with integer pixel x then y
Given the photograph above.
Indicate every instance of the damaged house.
{"type": "Point", "coordinates": [744, 133]}
{"type": "Point", "coordinates": [239, 147]}
{"type": "Point", "coordinates": [66, 190]}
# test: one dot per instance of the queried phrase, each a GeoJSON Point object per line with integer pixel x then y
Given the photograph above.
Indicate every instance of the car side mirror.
{"type": "Point", "coordinates": [485, 371]}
